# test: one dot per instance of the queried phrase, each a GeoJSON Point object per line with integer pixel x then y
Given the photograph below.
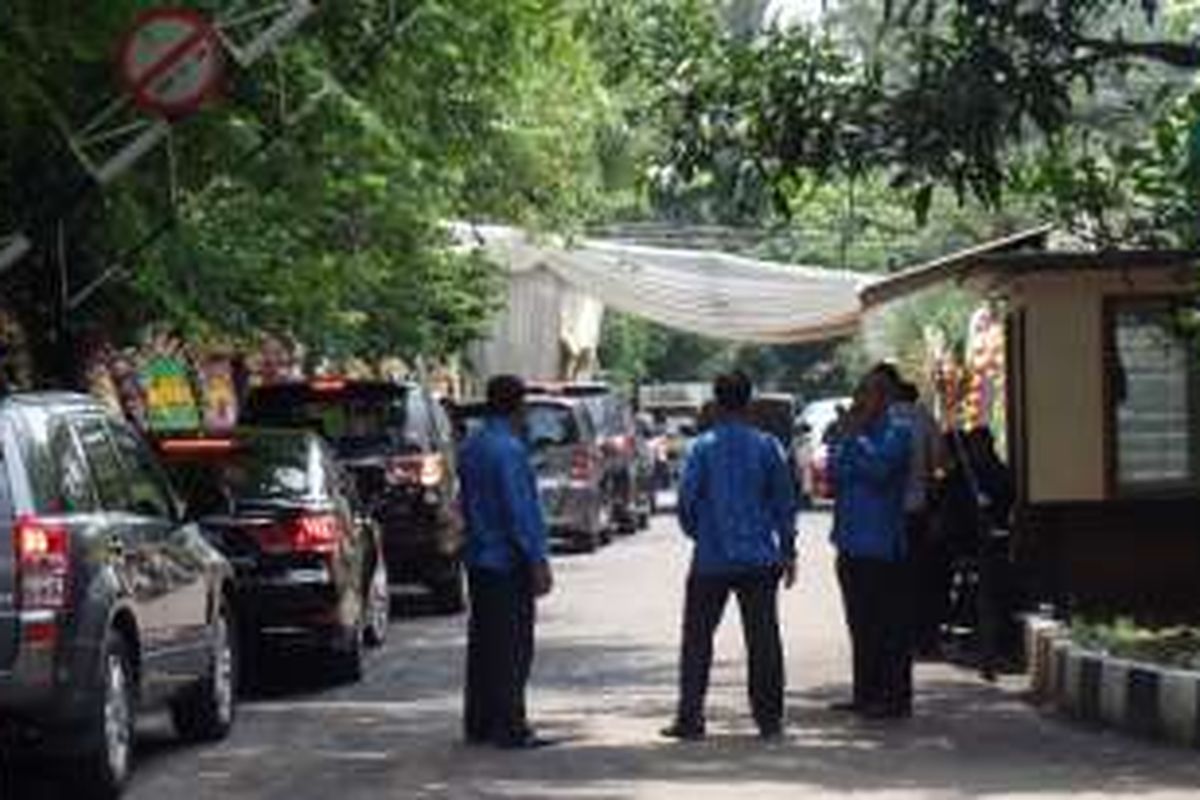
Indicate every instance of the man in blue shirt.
{"type": "Point", "coordinates": [506, 555]}
{"type": "Point", "coordinates": [737, 503]}
{"type": "Point", "coordinates": [870, 465]}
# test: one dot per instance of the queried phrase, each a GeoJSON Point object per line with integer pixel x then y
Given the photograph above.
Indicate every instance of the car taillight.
{"type": "Point", "coordinates": [423, 470]}
{"type": "Point", "coordinates": [582, 464]}
{"type": "Point", "coordinates": [307, 533]}
{"type": "Point", "coordinates": [43, 564]}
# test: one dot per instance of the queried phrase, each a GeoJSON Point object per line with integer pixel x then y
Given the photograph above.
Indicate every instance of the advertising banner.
{"type": "Point", "coordinates": [171, 405]}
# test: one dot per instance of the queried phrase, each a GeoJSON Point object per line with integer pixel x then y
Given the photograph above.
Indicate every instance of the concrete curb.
{"type": "Point", "coordinates": [1141, 699]}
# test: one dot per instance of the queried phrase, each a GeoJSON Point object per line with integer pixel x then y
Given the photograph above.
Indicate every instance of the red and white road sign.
{"type": "Point", "coordinates": [171, 61]}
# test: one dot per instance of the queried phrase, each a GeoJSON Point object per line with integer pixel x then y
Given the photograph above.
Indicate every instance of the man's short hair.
{"type": "Point", "coordinates": [889, 373]}
{"type": "Point", "coordinates": [505, 395]}
{"type": "Point", "coordinates": [733, 391]}
{"type": "Point", "coordinates": [908, 392]}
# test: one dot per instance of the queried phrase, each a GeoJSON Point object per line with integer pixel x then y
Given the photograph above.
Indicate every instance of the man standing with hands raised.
{"type": "Point", "coordinates": [737, 503]}
{"type": "Point", "coordinates": [506, 556]}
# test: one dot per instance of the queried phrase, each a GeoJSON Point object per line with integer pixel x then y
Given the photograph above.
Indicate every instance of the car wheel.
{"type": "Point", "coordinates": [378, 606]}
{"type": "Point", "coordinates": [588, 541]}
{"type": "Point", "coordinates": [450, 594]}
{"type": "Point", "coordinates": [106, 761]}
{"type": "Point", "coordinates": [346, 657]}
{"type": "Point", "coordinates": [205, 712]}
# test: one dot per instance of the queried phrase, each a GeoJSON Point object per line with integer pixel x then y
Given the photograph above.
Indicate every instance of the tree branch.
{"type": "Point", "coordinates": [1175, 54]}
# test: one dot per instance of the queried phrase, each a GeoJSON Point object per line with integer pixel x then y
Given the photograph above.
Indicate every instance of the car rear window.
{"type": "Point", "coordinates": [605, 413]}
{"type": "Point", "coordinates": [268, 469]}
{"type": "Point", "coordinates": [551, 425]}
{"type": "Point", "coordinates": [355, 419]}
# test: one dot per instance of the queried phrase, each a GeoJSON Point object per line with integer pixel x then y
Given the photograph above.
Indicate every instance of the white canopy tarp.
{"type": "Point", "coordinates": [705, 292]}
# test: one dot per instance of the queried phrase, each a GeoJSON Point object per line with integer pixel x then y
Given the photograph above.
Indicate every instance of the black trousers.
{"type": "Point", "coordinates": [930, 571]}
{"type": "Point", "coordinates": [757, 593]}
{"type": "Point", "coordinates": [499, 655]}
{"type": "Point", "coordinates": [877, 598]}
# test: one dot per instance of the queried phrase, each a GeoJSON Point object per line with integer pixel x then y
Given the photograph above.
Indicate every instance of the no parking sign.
{"type": "Point", "coordinates": [171, 61]}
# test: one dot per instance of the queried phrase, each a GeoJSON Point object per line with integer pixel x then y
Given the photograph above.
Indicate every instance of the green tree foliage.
{"type": "Point", "coordinates": [319, 217]}
{"type": "Point", "coordinates": [929, 94]}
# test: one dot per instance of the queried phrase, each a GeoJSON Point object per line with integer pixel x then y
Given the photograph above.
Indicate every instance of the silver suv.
{"type": "Point", "coordinates": [109, 600]}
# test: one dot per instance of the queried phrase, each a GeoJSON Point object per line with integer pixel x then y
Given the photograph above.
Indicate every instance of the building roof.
{"type": "Point", "coordinates": [1018, 254]}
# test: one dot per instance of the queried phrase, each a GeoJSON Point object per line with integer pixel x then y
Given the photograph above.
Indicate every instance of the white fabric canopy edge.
{"type": "Point", "coordinates": [704, 292]}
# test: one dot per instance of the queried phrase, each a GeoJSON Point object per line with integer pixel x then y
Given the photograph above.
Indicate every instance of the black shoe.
{"type": "Point", "coordinates": [845, 707]}
{"type": "Point", "coordinates": [682, 732]}
{"type": "Point", "coordinates": [771, 733]}
{"type": "Point", "coordinates": [886, 712]}
{"type": "Point", "coordinates": [530, 741]}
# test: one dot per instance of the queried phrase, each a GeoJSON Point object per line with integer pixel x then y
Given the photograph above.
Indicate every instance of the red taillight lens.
{"type": "Point", "coordinates": [582, 464]}
{"type": "Point", "coordinates": [423, 470]}
{"type": "Point", "coordinates": [317, 533]}
{"type": "Point", "coordinates": [308, 533]}
{"type": "Point", "coordinates": [43, 564]}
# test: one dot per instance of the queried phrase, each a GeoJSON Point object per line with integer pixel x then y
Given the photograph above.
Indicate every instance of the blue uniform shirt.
{"type": "Point", "coordinates": [870, 473]}
{"type": "Point", "coordinates": [737, 501]}
{"type": "Point", "coordinates": [500, 500]}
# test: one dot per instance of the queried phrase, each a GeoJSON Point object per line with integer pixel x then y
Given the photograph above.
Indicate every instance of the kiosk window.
{"type": "Point", "coordinates": [1156, 400]}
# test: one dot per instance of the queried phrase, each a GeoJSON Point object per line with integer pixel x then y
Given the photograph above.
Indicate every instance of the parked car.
{"type": "Point", "coordinates": [307, 558]}
{"type": "Point", "coordinates": [468, 417]}
{"type": "Point", "coordinates": [569, 461]}
{"type": "Point", "coordinates": [398, 443]}
{"type": "Point", "coordinates": [653, 434]}
{"type": "Point", "coordinates": [775, 413]}
{"type": "Point", "coordinates": [816, 427]}
{"type": "Point", "coordinates": [110, 601]}
{"type": "Point", "coordinates": [678, 431]}
{"type": "Point", "coordinates": [627, 480]}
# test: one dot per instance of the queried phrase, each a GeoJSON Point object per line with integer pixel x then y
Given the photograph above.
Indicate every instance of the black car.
{"type": "Point", "coordinates": [307, 560]}
{"type": "Point", "coordinates": [398, 443]}
{"type": "Point", "coordinates": [110, 601]}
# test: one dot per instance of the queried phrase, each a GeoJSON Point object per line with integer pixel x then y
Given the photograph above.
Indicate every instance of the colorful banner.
{"type": "Point", "coordinates": [985, 403]}
{"type": "Point", "coordinates": [219, 390]}
{"type": "Point", "coordinates": [171, 405]}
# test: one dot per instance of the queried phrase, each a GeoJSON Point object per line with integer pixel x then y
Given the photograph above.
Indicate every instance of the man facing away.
{"type": "Point", "coordinates": [737, 503]}
{"type": "Point", "coordinates": [870, 465]}
{"type": "Point", "coordinates": [506, 555]}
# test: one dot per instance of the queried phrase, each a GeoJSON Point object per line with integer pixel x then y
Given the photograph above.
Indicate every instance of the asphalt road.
{"type": "Point", "coordinates": [604, 684]}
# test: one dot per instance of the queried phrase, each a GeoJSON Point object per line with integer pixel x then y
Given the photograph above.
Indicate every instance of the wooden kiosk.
{"type": "Point", "coordinates": [1103, 418]}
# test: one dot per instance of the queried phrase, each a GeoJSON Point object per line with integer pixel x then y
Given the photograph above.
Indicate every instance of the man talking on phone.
{"type": "Point", "coordinates": [506, 555]}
